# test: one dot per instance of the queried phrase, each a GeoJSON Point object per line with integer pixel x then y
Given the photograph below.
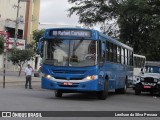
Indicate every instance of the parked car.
{"type": "Point", "coordinates": [149, 81]}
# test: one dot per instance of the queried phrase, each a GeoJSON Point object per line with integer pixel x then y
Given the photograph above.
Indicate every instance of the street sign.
{"type": "Point", "coordinates": [20, 43]}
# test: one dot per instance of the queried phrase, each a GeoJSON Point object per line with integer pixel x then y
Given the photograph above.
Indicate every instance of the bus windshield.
{"type": "Point", "coordinates": [76, 53]}
{"type": "Point", "coordinates": [152, 69]}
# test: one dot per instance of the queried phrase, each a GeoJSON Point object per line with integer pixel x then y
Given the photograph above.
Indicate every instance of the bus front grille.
{"type": "Point", "coordinates": [68, 85]}
{"type": "Point", "coordinates": [149, 79]}
{"type": "Point", "coordinates": [68, 72]}
{"type": "Point", "coordinates": [64, 78]}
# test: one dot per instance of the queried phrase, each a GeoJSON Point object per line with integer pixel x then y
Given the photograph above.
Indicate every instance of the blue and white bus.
{"type": "Point", "coordinates": [84, 60]}
{"type": "Point", "coordinates": [138, 70]}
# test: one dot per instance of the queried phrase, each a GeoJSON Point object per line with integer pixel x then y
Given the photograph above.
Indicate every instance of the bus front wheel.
{"type": "Point", "coordinates": [102, 95]}
{"type": "Point", "coordinates": [58, 93]}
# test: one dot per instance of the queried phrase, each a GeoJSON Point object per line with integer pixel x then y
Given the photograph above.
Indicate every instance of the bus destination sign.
{"type": "Point", "coordinates": [73, 33]}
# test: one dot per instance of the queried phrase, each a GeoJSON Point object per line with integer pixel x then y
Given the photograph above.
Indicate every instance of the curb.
{"type": "Point", "coordinates": [15, 79]}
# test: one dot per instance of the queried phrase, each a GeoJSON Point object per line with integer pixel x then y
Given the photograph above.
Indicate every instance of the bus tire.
{"type": "Point", "coordinates": [102, 95]}
{"type": "Point", "coordinates": [151, 92]}
{"type": "Point", "coordinates": [159, 93]}
{"type": "Point", "coordinates": [58, 93]}
{"type": "Point", "coordinates": [158, 90]}
{"type": "Point", "coordinates": [137, 91]}
{"type": "Point", "coordinates": [117, 91]}
{"type": "Point", "coordinates": [122, 90]}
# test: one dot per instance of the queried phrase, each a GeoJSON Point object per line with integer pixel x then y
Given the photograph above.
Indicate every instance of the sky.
{"type": "Point", "coordinates": [55, 12]}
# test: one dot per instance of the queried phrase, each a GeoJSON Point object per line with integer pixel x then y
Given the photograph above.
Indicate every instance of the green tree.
{"type": "Point", "coordinates": [37, 34]}
{"type": "Point", "coordinates": [92, 12]}
{"type": "Point", "coordinates": [138, 21]}
{"type": "Point", "coordinates": [139, 27]}
{"type": "Point", "coordinates": [1, 44]}
{"type": "Point", "coordinates": [20, 57]}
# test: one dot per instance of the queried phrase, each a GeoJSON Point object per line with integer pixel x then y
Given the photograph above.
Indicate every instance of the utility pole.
{"type": "Point", "coordinates": [5, 35]}
{"type": "Point", "coordinates": [4, 68]}
{"type": "Point", "coordinates": [18, 20]}
{"type": "Point", "coordinates": [16, 25]}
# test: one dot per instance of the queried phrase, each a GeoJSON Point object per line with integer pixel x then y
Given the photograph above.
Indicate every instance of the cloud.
{"type": "Point", "coordinates": [55, 12]}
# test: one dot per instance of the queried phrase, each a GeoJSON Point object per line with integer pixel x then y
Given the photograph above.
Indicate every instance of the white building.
{"type": "Point", "coordinates": [8, 18]}
{"type": "Point", "coordinates": [21, 15]}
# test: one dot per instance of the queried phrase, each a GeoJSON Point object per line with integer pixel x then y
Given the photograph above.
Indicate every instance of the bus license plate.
{"type": "Point", "coordinates": [67, 83]}
{"type": "Point", "coordinates": [147, 86]}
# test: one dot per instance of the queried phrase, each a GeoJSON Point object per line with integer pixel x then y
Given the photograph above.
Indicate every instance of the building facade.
{"type": "Point", "coordinates": [8, 16]}
{"type": "Point", "coordinates": [21, 16]}
{"type": "Point", "coordinates": [31, 19]}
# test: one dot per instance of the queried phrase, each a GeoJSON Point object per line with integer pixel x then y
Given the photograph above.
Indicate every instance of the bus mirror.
{"type": "Point", "coordinates": [41, 54]}
{"type": "Point", "coordinates": [40, 47]}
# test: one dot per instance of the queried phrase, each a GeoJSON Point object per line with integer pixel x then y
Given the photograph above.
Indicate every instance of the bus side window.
{"type": "Point", "coordinates": [107, 51]}
{"type": "Point", "coordinates": [126, 56]}
{"type": "Point", "coordinates": [118, 54]}
{"type": "Point", "coordinates": [101, 52]}
{"type": "Point", "coordinates": [122, 56]}
{"type": "Point", "coordinates": [110, 52]}
{"type": "Point", "coordinates": [131, 58]}
{"type": "Point", "coordinates": [114, 53]}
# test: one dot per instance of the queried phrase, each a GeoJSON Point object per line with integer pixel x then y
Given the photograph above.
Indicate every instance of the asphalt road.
{"type": "Point", "coordinates": [16, 98]}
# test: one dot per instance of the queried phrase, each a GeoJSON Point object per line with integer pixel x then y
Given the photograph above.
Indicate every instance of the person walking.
{"type": "Point", "coordinates": [28, 73]}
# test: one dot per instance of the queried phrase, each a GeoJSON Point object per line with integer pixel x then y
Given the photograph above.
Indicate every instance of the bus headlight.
{"type": "Point", "coordinates": [47, 76]}
{"type": "Point", "coordinates": [142, 79]}
{"type": "Point", "coordinates": [159, 81]}
{"type": "Point", "coordinates": [155, 80]}
{"type": "Point", "coordinates": [93, 77]}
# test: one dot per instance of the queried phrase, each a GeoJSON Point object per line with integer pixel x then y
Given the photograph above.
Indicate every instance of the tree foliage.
{"type": "Point", "coordinates": [1, 44]}
{"type": "Point", "coordinates": [139, 27]}
{"type": "Point", "coordinates": [20, 57]}
{"type": "Point", "coordinates": [138, 21]}
{"type": "Point", "coordinates": [37, 34]}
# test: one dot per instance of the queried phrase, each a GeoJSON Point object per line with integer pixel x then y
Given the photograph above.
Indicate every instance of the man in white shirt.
{"type": "Point", "coordinates": [28, 72]}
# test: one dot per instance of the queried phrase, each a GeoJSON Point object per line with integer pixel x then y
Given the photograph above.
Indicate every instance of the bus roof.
{"type": "Point", "coordinates": [114, 41]}
{"type": "Point", "coordinates": [141, 56]}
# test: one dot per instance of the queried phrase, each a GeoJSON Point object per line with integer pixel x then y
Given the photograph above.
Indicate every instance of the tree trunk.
{"type": "Point", "coordinates": [20, 71]}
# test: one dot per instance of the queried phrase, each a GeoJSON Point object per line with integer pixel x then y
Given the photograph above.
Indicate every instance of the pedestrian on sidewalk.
{"type": "Point", "coordinates": [28, 73]}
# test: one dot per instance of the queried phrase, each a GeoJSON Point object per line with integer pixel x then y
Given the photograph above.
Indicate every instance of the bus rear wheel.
{"type": "Point", "coordinates": [122, 90]}
{"type": "Point", "coordinates": [137, 91]}
{"type": "Point", "coordinates": [102, 95]}
{"type": "Point", "coordinates": [159, 93]}
{"type": "Point", "coordinates": [58, 93]}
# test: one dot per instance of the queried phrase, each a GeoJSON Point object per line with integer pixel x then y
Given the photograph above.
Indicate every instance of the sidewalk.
{"type": "Point", "coordinates": [17, 79]}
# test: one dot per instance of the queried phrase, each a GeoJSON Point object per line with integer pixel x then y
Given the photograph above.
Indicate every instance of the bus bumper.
{"type": "Point", "coordinates": [91, 85]}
